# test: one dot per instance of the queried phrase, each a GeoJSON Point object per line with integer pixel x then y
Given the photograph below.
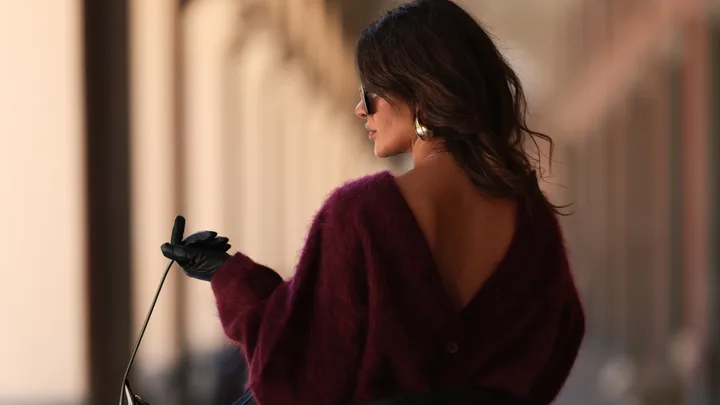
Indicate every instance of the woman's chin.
{"type": "Point", "coordinates": [380, 152]}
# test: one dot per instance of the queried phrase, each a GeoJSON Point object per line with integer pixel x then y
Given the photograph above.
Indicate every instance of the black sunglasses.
{"type": "Point", "coordinates": [366, 98]}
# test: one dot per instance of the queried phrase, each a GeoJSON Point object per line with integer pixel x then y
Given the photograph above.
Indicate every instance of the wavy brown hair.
{"type": "Point", "coordinates": [435, 56]}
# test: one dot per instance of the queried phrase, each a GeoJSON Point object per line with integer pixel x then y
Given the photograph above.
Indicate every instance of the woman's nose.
{"type": "Point", "coordinates": [360, 110]}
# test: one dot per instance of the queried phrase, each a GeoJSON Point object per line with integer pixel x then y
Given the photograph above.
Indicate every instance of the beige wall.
{"type": "Point", "coordinates": [153, 177]}
{"type": "Point", "coordinates": [42, 218]}
{"type": "Point", "coordinates": [208, 27]}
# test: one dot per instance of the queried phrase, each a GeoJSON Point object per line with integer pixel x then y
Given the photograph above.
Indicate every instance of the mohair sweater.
{"type": "Point", "coordinates": [366, 314]}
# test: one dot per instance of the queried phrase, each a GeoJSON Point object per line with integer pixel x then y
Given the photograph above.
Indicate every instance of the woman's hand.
{"type": "Point", "coordinates": [200, 255]}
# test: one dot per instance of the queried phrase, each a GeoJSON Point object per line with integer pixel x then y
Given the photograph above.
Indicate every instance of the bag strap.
{"type": "Point", "coordinates": [245, 398]}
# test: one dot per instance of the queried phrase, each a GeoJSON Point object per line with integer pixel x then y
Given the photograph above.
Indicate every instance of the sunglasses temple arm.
{"type": "Point", "coordinates": [125, 389]}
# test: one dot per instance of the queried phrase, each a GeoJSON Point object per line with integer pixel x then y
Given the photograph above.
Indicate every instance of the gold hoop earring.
{"type": "Point", "coordinates": [421, 130]}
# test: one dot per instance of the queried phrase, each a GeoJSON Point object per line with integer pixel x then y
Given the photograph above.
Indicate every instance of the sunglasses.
{"type": "Point", "coordinates": [366, 98]}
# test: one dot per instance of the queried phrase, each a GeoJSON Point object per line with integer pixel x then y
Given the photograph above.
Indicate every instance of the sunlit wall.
{"type": "Point", "coordinates": [42, 212]}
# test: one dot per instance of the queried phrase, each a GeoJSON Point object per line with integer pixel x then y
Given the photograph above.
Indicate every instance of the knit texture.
{"type": "Point", "coordinates": [366, 315]}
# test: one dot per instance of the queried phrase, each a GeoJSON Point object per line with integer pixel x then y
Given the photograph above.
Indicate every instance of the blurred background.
{"type": "Point", "coordinates": [117, 115]}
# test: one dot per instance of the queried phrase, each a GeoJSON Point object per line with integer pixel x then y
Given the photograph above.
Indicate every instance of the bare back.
{"type": "Point", "coordinates": [468, 234]}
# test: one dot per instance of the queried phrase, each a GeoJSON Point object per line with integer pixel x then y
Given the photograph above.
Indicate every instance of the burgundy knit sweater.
{"type": "Point", "coordinates": [366, 314]}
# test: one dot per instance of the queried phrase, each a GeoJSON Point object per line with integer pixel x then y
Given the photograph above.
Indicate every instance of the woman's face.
{"type": "Point", "coordinates": [390, 125]}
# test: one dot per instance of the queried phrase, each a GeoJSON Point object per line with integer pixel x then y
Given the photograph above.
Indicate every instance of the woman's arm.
{"type": "Point", "coordinates": [306, 332]}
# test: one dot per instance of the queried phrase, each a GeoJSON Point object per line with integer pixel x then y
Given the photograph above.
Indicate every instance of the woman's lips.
{"type": "Point", "coordinates": [371, 134]}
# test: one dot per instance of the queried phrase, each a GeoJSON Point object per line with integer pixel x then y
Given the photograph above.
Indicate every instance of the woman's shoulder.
{"type": "Point", "coordinates": [360, 190]}
{"type": "Point", "coordinates": [363, 195]}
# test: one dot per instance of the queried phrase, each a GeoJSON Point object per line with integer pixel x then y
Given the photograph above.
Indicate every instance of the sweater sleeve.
{"type": "Point", "coordinates": [305, 334]}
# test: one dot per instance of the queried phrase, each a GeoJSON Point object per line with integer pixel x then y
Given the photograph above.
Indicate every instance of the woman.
{"type": "Point", "coordinates": [451, 275]}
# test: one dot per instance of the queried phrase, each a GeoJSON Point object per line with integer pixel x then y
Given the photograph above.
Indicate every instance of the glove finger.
{"type": "Point", "coordinates": [178, 253]}
{"type": "Point", "coordinates": [218, 242]}
{"type": "Point", "coordinates": [216, 248]}
{"type": "Point", "coordinates": [199, 237]}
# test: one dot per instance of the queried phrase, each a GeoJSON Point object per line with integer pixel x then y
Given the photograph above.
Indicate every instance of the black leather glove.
{"type": "Point", "coordinates": [200, 255]}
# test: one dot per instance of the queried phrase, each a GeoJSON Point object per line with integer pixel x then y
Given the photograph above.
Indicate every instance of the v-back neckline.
{"type": "Point", "coordinates": [421, 245]}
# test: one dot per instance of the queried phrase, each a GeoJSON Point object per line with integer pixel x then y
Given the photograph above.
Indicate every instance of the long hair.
{"type": "Point", "coordinates": [435, 56]}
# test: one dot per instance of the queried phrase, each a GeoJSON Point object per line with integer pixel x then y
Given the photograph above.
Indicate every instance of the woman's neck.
{"type": "Point", "coordinates": [425, 151]}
